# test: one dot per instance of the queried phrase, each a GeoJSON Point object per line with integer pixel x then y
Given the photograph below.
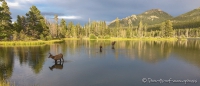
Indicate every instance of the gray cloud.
{"type": "Point", "coordinates": [52, 13]}
{"type": "Point", "coordinates": [107, 10]}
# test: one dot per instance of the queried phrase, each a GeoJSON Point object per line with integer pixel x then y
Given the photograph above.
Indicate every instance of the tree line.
{"type": "Point", "coordinates": [35, 26]}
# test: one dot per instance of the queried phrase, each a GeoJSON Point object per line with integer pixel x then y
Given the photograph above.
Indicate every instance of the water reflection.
{"type": "Point", "coordinates": [34, 56]}
{"type": "Point", "coordinates": [147, 51]}
{"type": "Point", "coordinates": [6, 62]}
{"type": "Point", "coordinates": [188, 51]}
{"type": "Point", "coordinates": [152, 51]}
{"type": "Point", "coordinates": [57, 66]}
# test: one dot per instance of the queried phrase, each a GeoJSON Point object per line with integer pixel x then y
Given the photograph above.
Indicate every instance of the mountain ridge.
{"type": "Point", "coordinates": [149, 17]}
{"type": "Point", "coordinates": [155, 17]}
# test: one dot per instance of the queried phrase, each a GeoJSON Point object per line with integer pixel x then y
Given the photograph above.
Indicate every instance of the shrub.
{"type": "Point", "coordinates": [4, 83]}
{"type": "Point", "coordinates": [48, 38]}
{"type": "Point", "coordinates": [107, 37]}
{"type": "Point", "coordinates": [92, 36]}
{"type": "Point", "coordinates": [5, 39]}
{"type": "Point", "coordinates": [15, 36]}
{"type": "Point", "coordinates": [42, 37]}
{"type": "Point", "coordinates": [100, 36]}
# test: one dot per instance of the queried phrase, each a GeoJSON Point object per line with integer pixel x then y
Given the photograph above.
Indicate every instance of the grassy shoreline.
{"type": "Point", "coordinates": [4, 83]}
{"type": "Point", "coordinates": [37, 42]}
{"type": "Point", "coordinates": [41, 42]}
{"type": "Point", "coordinates": [145, 38]}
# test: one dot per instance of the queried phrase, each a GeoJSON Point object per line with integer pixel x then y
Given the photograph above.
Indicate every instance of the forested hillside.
{"type": "Point", "coordinates": [150, 17]}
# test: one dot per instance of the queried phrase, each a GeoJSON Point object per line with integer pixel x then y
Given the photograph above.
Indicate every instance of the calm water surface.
{"type": "Point", "coordinates": [125, 64]}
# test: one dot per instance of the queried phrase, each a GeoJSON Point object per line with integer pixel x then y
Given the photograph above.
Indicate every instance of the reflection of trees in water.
{"type": "Point", "coordinates": [6, 62]}
{"type": "Point", "coordinates": [34, 56]}
{"type": "Point", "coordinates": [150, 51]}
{"type": "Point", "coordinates": [153, 51]}
{"type": "Point", "coordinates": [188, 51]}
{"type": "Point", "coordinates": [90, 47]}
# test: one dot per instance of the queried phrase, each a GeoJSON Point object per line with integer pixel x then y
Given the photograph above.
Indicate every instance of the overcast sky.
{"type": "Point", "coordinates": [106, 10]}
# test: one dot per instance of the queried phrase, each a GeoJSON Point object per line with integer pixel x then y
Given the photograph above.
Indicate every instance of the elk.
{"type": "Point", "coordinates": [113, 43]}
{"type": "Point", "coordinates": [56, 66]}
{"type": "Point", "coordinates": [100, 48]}
{"type": "Point", "coordinates": [56, 57]}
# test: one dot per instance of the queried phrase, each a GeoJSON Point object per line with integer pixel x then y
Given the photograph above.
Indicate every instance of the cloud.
{"type": "Point", "coordinates": [106, 10]}
{"type": "Point", "coordinates": [13, 4]}
{"type": "Point", "coordinates": [69, 17]}
{"type": "Point", "coordinates": [52, 13]}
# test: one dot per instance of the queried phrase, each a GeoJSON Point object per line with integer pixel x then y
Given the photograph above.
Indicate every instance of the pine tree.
{"type": "Point", "coordinates": [20, 24]}
{"type": "Point", "coordinates": [168, 29]}
{"type": "Point", "coordinates": [70, 27]}
{"type": "Point", "coordinates": [145, 30]}
{"type": "Point", "coordinates": [117, 26]}
{"type": "Point", "coordinates": [34, 22]}
{"type": "Point", "coordinates": [162, 29]}
{"type": "Point", "coordinates": [5, 20]}
{"type": "Point", "coordinates": [140, 29]}
{"type": "Point", "coordinates": [129, 23]}
{"type": "Point", "coordinates": [63, 27]}
{"type": "Point", "coordinates": [56, 23]}
{"type": "Point", "coordinates": [45, 28]}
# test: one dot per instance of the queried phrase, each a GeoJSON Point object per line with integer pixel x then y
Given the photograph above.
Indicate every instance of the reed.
{"type": "Point", "coordinates": [143, 38]}
{"type": "Point", "coordinates": [5, 83]}
{"type": "Point", "coordinates": [24, 43]}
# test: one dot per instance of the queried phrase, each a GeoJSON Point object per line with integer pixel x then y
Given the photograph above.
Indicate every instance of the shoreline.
{"type": "Point", "coordinates": [41, 42]}
{"type": "Point", "coordinates": [29, 43]}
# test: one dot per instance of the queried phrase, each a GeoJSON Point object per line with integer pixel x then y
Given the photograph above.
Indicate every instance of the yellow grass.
{"type": "Point", "coordinates": [4, 83]}
{"type": "Point", "coordinates": [144, 38]}
{"type": "Point", "coordinates": [24, 43]}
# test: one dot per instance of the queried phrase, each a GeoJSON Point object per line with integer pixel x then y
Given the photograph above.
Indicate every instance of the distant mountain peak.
{"type": "Point", "coordinates": [150, 17]}
{"type": "Point", "coordinates": [155, 10]}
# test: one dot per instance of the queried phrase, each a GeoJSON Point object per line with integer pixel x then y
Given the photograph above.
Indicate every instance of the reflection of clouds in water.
{"type": "Point", "coordinates": [22, 75]}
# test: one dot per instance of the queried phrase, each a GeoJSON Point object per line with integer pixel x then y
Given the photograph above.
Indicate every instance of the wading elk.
{"type": "Point", "coordinates": [56, 57]}
{"type": "Point", "coordinates": [57, 66]}
{"type": "Point", "coordinates": [100, 48]}
{"type": "Point", "coordinates": [113, 43]}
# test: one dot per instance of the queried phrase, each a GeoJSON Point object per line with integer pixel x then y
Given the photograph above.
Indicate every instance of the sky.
{"type": "Point", "coordinates": [80, 11]}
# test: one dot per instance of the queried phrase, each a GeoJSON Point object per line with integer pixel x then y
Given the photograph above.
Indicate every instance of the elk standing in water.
{"type": "Point", "coordinates": [57, 66]}
{"type": "Point", "coordinates": [100, 48]}
{"type": "Point", "coordinates": [56, 57]}
{"type": "Point", "coordinates": [113, 43]}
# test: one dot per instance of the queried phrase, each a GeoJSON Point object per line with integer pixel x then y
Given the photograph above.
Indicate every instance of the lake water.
{"type": "Point", "coordinates": [128, 63]}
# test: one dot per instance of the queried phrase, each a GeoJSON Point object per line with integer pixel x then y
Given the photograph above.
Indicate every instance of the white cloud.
{"type": "Point", "coordinates": [13, 4]}
{"type": "Point", "coordinates": [69, 17]}
{"type": "Point", "coordinates": [22, 3]}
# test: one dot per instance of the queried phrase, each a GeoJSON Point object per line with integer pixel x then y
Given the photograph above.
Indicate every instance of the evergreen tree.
{"type": "Point", "coordinates": [63, 27]}
{"type": "Point", "coordinates": [5, 20]}
{"type": "Point", "coordinates": [145, 30]}
{"type": "Point", "coordinates": [56, 23]}
{"type": "Point", "coordinates": [168, 29]}
{"type": "Point", "coordinates": [20, 24]}
{"type": "Point", "coordinates": [129, 23]}
{"type": "Point", "coordinates": [162, 29]}
{"type": "Point", "coordinates": [117, 26]}
{"type": "Point", "coordinates": [34, 22]}
{"type": "Point", "coordinates": [140, 29]}
{"type": "Point", "coordinates": [45, 28]}
{"type": "Point", "coordinates": [69, 28]}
